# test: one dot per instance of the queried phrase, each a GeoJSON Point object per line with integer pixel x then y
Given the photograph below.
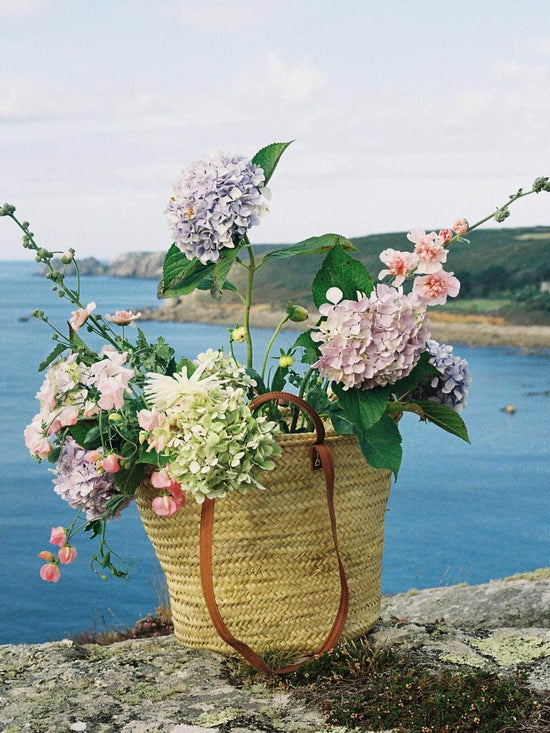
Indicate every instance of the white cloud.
{"type": "Point", "coordinates": [16, 8]}
{"type": "Point", "coordinates": [219, 15]}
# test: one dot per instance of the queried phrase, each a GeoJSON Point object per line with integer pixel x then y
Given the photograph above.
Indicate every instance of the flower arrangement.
{"type": "Point", "coordinates": [111, 416]}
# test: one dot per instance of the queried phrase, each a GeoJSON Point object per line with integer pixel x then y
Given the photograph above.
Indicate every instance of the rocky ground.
{"type": "Point", "coordinates": [156, 686]}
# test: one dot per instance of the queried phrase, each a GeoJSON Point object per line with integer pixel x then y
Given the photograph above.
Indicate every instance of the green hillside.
{"type": "Point", "coordinates": [498, 263]}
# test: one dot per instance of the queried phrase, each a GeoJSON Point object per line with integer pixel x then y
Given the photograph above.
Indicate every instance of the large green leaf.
{"type": "Point", "coordinates": [341, 271]}
{"type": "Point", "coordinates": [311, 350]}
{"type": "Point", "coordinates": [423, 371]}
{"type": "Point", "coordinates": [312, 246]}
{"type": "Point", "coordinates": [86, 433]}
{"type": "Point", "coordinates": [180, 275]}
{"type": "Point", "coordinates": [445, 417]}
{"type": "Point", "coordinates": [363, 407]}
{"type": "Point", "coordinates": [381, 445]}
{"type": "Point", "coordinates": [221, 271]}
{"type": "Point", "coordinates": [128, 479]}
{"type": "Point", "coordinates": [59, 349]}
{"type": "Point", "coordinates": [268, 157]}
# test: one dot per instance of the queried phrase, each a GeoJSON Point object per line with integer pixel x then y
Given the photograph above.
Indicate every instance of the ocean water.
{"type": "Point", "coordinates": [457, 513]}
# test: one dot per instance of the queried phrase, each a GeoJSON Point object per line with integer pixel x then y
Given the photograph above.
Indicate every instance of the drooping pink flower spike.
{"type": "Point", "coordinates": [67, 554]}
{"type": "Point", "coordinates": [58, 537]}
{"type": "Point", "coordinates": [123, 318]}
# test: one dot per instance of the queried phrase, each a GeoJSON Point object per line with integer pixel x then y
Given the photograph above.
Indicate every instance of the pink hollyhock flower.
{"type": "Point", "coordinates": [80, 316]}
{"type": "Point", "coordinates": [400, 264]}
{"type": "Point", "coordinates": [433, 289]}
{"type": "Point", "coordinates": [123, 318]}
{"type": "Point", "coordinates": [461, 226]}
{"type": "Point", "coordinates": [429, 249]}
{"type": "Point", "coordinates": [58, 536]}
{"type": "Point", "coordinates": [67, 554]}
{"type": "Point", "coordinates": [111, 463]}
{"type": "Point", "coordinates": [446, 235]}
{"type": "Point", "coordinates": [166, 505]}
{"type": "Point", "coordinates": [36, 439]}
{"type": "Point", "coordinates": [147, 420]}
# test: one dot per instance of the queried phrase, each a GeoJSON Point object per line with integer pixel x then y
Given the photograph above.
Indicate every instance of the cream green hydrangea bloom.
{"type": "Point", "coordinates": [205, 429]}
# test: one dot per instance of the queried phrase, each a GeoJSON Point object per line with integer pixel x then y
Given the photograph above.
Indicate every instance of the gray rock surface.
{"type": "Point", "coordinates": [154, 685]}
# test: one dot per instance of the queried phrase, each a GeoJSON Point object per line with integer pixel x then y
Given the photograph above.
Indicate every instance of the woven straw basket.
{"type": "Point", "coordinates": [274, 564]}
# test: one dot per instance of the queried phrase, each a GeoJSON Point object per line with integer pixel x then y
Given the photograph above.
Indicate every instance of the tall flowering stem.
{"type": "Point", "coordinates": [248, 303]}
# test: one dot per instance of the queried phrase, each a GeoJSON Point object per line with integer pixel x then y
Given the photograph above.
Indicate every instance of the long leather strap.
{"type": "Point", "coordinates": [321, 453]}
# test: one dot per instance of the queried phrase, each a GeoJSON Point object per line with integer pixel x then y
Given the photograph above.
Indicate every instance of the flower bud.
{"type": "Point", "coordinates": [111, 463]}
{"type": "Point", "coordinates": [286, 360]}
{"type": "Point", "coordinates": [45, 555]}
{"type": "Point", "coordinates": [460, 226]}
{"type": "Point", "coordinates": [296, 313]}
{"type": "Point", "coordinates": [115, 417]}
{"type": "Point", "coordinates": [501, 215]}
{"type": "Point", "coordinates": [238, 334]}
{"type": "Point", "coordinates": [58, 536]}
{"type": "Point", "coordinates": [50, 572]}
{"type": "Point", "coordinates": [446, 235]}
{"type": "Point", "coordinates": [67, 257]}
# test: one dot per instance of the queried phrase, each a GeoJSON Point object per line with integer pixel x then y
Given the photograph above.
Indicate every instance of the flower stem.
{"type": "Point", "coordinates": [248, 302]}
{"type": "Point", "coordinates": [270, 344]}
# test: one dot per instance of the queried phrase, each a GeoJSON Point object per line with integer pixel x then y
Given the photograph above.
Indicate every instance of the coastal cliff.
{"type": "Point", "coordinates": [154, 685]}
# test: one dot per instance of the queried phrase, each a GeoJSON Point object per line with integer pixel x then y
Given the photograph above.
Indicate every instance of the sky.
{"type": "Point", "coordinates": [403, 114]}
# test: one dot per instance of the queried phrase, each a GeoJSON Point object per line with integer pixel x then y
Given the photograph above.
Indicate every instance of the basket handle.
{"type": "Point", "coordinates": [321, 453]}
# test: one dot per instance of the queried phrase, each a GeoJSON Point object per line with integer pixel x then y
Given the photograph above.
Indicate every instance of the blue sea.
{"type": "Point", "coordinates": [457, 513]}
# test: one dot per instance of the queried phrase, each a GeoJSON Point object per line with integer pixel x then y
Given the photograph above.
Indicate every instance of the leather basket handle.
{"type": "Point", "coordinates": [321, 453]}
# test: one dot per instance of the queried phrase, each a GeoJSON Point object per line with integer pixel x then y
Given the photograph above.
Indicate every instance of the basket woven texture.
{"type": "Point", "coordinates": [275, 568]}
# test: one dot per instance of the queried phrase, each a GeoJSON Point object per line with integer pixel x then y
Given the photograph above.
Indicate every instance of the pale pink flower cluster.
{"type": "Point", "coordinates": [71, 391]}
{"type": "Point", "coordinates": [371, 341]}
{"type": "Point", "coordinates": [434, 285]}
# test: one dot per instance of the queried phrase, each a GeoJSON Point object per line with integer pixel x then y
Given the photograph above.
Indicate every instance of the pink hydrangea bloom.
{"type": "Point", "coordinates": [435, 288]}
{"type": "Point", "coordinates": [123, 318]}
{"type": "Point", "coordinates": [80, 316]}
{"type": "Point", "coordinates": [372, 341]}
{"type": "Point", "coordinates": [400, 264]}
{"type": "Point", "coordinates": [429, 249]}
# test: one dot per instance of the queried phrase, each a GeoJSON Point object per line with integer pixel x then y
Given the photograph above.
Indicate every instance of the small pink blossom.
{"type": "Point", "coordinates": [429, 249]}
{"type": "Point", "coordinates": [80, 316]}
{"type": "Point", "coordinates": [49, 572]}
{"type": "Point", "coordinates": [400, 264]}
{"type": "Point", "coordinates": [166, 505]}
{"type": "Point", "coordinates": [461, 226]}
{"type": "Point", "coordinates": [446, 235]}
{"type": "Point", "coordinates": [66, 416]}
{"type": "Point", "coordinates": [162, 480]}
{"type": "Point", "coordinates": [434, 288]}
{"type": "Point", "coordinates": [123, 318]}
{"type": "Point", "coordinates": [36, 439]}
{"type": "Point", "coordinates": [147, 420]}
{"type": "Point", "coordinates": [46, 555]}
{"type": "Point", "coordinates": [67, 554]}
{"type": "Point", "coordinates": [94, 456]}
{"type": "Point", "coordinates": [111, 463]}
{"type": "Point", "coordinates": [58, 536]}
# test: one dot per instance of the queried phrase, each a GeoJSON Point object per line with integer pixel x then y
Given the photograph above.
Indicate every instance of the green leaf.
{"type": "Point", "coordinates": [86, 432]}
{"type": "Point", "coordinates": [268, 157]}
{"type": "Point", "coordinates": [311, 350]}
{"type": "Point", "coordinates": [206, 284]}
{"type": "Point", "coordinates": [59, 349]}
{"type": "Point", "coordinates": [151, 457]}
{"type": "Point", "coordinates": [341, 271]}
{"type": "Point", "coordinates": [128, 479]}
{"type": "Point", "coordinates": [381, 445]}
{"type": "Point", "coordinates": [180, 275]}
{"type": "Point", "coordinates": [221, 271]}
{"type": "Point", "coordinates": [444, 417]}
{"type": "Point", "coordinates": [363, 407]}
{"type": "Point", "coordinates": [312, 246]}
{"type": "Point", "coordinates": [260, 384]}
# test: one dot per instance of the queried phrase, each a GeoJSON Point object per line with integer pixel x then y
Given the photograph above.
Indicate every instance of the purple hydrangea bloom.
{"type": "Point", "coordinates": [452, 387]}
{"type": "Point", "coordinates": [370, 342]}
{"type": "Point", "coordinates": [79, 483]}
{"type": "Point", "coordinates": [214, 203]}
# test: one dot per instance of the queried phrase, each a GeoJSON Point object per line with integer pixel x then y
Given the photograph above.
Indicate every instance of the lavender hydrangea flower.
{"type": "Point", "coordinates": [370, 342]}
{"type": "Point", "coordinates": [214, 203]}
{"type": "Point", "coordinates": [451, 388]}
{"type": "Point", "coordinates": [78, 482]}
